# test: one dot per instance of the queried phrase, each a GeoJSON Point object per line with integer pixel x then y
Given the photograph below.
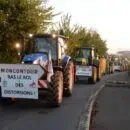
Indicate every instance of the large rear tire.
{"type": "Point", "coordinates": [93, 79]}
{"type": "Point", "coordinates": [69, 79]}
{"type": "Point", "coordinates": [98, 74]}
{"type": "Point", "coordinates": [56, 90]}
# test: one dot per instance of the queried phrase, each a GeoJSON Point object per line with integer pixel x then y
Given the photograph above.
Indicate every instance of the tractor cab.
{"type": "Point", "coordinates": [84, 56]}
{"type": "Point", "coordinates": [42, 48]}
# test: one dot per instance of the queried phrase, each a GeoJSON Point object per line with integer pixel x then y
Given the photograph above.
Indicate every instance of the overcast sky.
{"type": "Point", "coordinates": [110, 18]}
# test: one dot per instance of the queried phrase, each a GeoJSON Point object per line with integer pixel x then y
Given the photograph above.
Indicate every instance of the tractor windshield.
{"type": "Point", "coordinates": [46, 45]}
{"type": "Point", "coordinates": [83, 53]}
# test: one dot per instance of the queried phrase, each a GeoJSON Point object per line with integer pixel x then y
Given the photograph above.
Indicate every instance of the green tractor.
{"type": "Point", "coordinates": [87, 65]}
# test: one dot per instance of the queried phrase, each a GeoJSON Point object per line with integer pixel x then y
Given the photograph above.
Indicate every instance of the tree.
{"type": "Point", "coordinates": [80, 36]}
{"type": "Point", "coordinates": [70, 30]}
{"type": "Point", "coordinates": [93, 39]}
{"type": "Point", "coordinates": [18, 18]}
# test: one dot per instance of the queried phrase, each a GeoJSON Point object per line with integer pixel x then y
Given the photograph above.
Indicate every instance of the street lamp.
{"type": "Point", "coordinates": [30, 35]}
{"type": "Point", "coordinates": [17, 45]}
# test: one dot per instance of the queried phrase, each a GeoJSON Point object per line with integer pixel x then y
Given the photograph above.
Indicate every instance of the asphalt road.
{"type": "Point", "coordinates": [34, 116]}
{"type": "Point", "coordinates": [114, 107]}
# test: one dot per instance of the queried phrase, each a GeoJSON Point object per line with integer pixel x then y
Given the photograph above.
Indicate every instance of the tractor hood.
{"type": "Point", "coordinates": [35, 57]}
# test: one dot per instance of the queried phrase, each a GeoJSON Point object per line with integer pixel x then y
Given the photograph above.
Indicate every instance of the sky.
{"type": "Point", "coordinates": [110, 18]}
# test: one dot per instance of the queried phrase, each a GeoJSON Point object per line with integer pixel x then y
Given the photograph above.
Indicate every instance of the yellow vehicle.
{"type": "Point", "coordinates": [103, 65]}
{"type": "Point", "coordinates": [110, 65]}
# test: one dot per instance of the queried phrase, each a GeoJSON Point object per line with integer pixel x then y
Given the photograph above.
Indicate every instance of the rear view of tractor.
{"type": "Point", "coordinates": [110, 65]}
{"type": "Point", "coordinates": [103, 65]}
{"type": "Point", "coordinates": [87, 65]}
{"type": "Point", "coordinates": [125, 63]}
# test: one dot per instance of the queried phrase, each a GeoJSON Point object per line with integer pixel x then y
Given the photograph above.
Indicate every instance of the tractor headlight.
{"type": "Point", "coordinates": [54, 35]}
{"type": "Point", "coordinates": [65, 46]}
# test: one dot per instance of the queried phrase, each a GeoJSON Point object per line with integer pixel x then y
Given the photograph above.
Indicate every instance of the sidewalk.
{"type": "Point", "coordinates": [114, 108]}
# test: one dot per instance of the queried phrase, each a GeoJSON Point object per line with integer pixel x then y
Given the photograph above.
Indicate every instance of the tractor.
{"type": "Point", "coordinates": [110, 64]}
{"type": "Point", "coordinates": [48, 50]}
{"type": "Point", "coordinates": [87, 65]}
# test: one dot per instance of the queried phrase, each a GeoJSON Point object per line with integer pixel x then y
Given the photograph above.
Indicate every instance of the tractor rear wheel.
{"type": "Point", "coordinates": [93, 79]}
{"type": "Point", "coordinates": [98, 74]}
{"type": "Point", "coordinates": [69, 79]}
{"type": "Point", "coordinates": [56, 90]}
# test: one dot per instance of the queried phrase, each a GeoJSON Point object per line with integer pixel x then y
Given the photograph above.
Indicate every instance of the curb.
{"type": "Point", "coordinates": [118, 84]}
{"type": "Point", "coordinates": [84, 123]}
{"type": "Point", "coordinates": [85, 118]}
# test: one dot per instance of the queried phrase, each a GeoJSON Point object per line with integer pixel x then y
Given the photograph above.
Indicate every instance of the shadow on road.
{"type": "Point", "coordinates": [82, 82]}
{"type": "Point", "coordinates": [25, 104]}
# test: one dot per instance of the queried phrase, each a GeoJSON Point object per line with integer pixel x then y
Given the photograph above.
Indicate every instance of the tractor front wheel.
{"type": "Point", "coordinates": [69, 79]}
{"type": "Point", "coordinates": [56, 89]}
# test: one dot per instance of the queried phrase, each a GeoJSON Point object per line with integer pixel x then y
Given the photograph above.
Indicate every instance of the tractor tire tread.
{"type": "Point", "coordinates": [68, 91]}
{"type": "Point", "coordinates": [53, 89]}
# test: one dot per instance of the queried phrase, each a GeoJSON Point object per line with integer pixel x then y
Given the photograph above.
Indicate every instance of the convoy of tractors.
{"type": "Point", "coordinates": [46, 72]}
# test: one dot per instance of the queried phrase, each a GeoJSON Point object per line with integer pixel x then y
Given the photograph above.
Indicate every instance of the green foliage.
{"type": "Point", "coordinates": [18, 18]}
{"type": "Point", "coordinates": [80, 36]}
{"type": "Point", "coordinates": [93, 39]}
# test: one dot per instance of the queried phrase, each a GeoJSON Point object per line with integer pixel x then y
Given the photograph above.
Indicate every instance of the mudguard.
{"type": "Point", "coordinates": [65, 61]}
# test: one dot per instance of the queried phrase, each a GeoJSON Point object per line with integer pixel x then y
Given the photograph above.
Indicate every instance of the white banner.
{"type": "Point", "coordinates": [83, 70]}
{"type": "Point", "coordinates": [19, 81]}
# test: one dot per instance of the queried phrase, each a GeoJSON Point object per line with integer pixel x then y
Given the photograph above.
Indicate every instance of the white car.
{"type": "Point", "coordinates": [117, 67]}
